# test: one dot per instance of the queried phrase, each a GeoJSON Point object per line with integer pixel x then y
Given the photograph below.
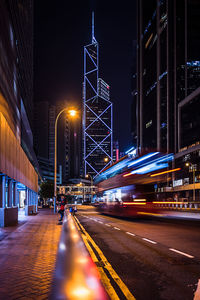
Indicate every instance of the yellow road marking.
{"type": "Point", "coordinates": [105, 280]}
{"type": "Point", "coordinates": [107, 265]}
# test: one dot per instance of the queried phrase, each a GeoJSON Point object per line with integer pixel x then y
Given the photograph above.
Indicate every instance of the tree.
{"type": "Point", "coordinates": [46, 189]}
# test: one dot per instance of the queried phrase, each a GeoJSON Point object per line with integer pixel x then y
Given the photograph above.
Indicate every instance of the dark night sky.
{"type": "Point", "coordinates": [61, 29]}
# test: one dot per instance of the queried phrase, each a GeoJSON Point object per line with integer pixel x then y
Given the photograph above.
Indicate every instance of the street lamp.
{"type": "Point", "coordinates": [188, 164]}
{"type": "Point", "coordinates": [72, 113]}
{"type": "Point", "coordinates": [88, 175]}
{"type": "Point", "coordinates": [106, 159]}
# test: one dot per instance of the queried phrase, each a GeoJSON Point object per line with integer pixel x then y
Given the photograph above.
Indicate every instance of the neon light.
{"type": "Point", "coordinates": [132, 148]}
{"type": "Point", "coordinates": [117, 154]}
{"type": "Point", "coordinates": [169, 202]}
{"type": "Point", "coordinates": [165, 172]}
{"type": "Point", "coordinates": [150, 168]}
{"type": "Point", "coordinates": [149, 214]}
{"type": "Point", "coordinates": [139, 200]}
{"type": "Point", "coordinates": [132, 203]}
{"type": "Point", "coordinates": [142, 158]}
{"type": "Point", "coordinates": [127, 174]}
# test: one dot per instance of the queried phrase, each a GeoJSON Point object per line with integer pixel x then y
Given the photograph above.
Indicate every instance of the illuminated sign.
{"type": "Point", "coordinates": [177, 182]}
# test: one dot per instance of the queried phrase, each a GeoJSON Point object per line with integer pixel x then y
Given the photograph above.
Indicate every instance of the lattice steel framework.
{"type": "Point", "coordinates": [97, 114]}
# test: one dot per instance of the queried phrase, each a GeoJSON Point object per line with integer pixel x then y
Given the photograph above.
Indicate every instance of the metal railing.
{"type": "Point", "coordinates": [180, 205]}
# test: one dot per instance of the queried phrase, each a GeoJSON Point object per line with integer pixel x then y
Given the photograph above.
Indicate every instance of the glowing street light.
{"type": "Point", "coordinates": [188, 164]}
{"type": "Point", "coordinates": [106, 159]}
{"type": "Point", "coordinates": [72, 113]}
{"type": "Point", "coordinates": [87, 176]}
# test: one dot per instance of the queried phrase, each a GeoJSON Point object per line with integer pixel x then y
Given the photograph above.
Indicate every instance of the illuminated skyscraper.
{"type": "Point", "coordinates": [168, 74]}
{"type": "Point", "coordinates": [167, 98]}
{"type": "Point", "coordinates": [97, 114]}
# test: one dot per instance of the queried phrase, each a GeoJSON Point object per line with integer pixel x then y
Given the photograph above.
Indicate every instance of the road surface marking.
{"type": "Point", "coordinates": [130, 233]}
{"type": "Point", "coordinates": [150, 241]}
{"type": "Point", "coordinates": [107, 225]}
{"type": "Point", "coordinates": [100, 222]}
{"type": "Point", "coordinates": [107, 265]}
{"type": "Point", "coordinates": [182, 253]}
{"type": "Point", "coordinates": [116, 228]}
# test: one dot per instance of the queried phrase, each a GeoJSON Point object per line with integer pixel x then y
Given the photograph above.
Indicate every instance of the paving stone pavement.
{"type": "Point", "coordinates": [28, 256]}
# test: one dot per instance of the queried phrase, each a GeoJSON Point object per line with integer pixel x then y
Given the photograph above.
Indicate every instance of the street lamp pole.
{"type": "Point", "coordinates": [193, 173]}
{"type": "Point", "coordinates": [193, 176]}
{"type": "Point", "coordinates": [91, 185]}
{"type": "Point", "coordinates": [72, 113]}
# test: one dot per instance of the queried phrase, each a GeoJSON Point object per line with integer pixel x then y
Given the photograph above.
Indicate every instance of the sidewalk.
{"type": "Point", "coordinates": [28, 255]}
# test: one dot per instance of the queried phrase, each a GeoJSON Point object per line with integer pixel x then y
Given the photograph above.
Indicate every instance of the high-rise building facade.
{"type": "Point", "coordinates": [44, 139]}
{"type": "Point", "coordinates": [103, 89]}
{"type": "Point", "coordinates": [167, 69]}
{"type": "Point", "coordinates": [68, 141]}
{"type": "Point", "coordinates": [18, 163]}
{"type": "Point", "coordinates": [97, 114]}
{"type": "Point", "coordinates": [168, 79]}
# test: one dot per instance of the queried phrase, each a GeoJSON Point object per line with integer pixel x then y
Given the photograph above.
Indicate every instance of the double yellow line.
{"type": "Point", "coordinates": [106, 265]}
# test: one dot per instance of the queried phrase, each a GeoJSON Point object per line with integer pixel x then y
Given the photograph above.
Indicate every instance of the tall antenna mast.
{"type": "Point", "coordinates": [93, 38]}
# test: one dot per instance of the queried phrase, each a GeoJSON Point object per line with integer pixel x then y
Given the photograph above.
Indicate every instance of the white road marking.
{"type": "Point", "coordinates": [107, 225]}
{"type": "Point", "coordinates": [130, 233]}
{"type": "Point", "coordinates": [182, 253]}
{"type": "Point", "coordinates": [116, 228]}
{"type": "Point", "coordinates": [150, 241]}
{"type": "Point", "coordinates": [100, 222]}
{"type": "Point", "coordinates": [90, 212]}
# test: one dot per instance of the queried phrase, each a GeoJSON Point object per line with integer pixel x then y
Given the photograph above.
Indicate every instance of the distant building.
{"type": "Point", "coordinates": [68, 140]}
{"type": "Point", "coordinates": [44, 129]}
{"type": "Point", "coordinates": [44, 138]}
{"type": "Point", "coordinates": [168, 84]}
{"type": "Point", "coordinates": [134, 118]}
{"type": "Point", "coordinates": [116, 154]}
{"type": "Point", "coordinates": [69, 143]}
{"type": "Point", "coordinates": [47, 168]}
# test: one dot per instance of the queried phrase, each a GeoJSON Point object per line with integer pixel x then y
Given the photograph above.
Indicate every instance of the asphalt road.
{"type": "Point", "coordinates": [156, 259]}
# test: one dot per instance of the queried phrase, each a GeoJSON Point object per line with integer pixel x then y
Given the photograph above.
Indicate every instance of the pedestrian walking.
{"type": "Point", "coordinates": [61, 211]}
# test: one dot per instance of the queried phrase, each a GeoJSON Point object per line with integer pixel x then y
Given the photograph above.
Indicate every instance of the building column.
{"type": "Point", "coordinates": [29, 197]}
{"type": "Point", "coordinates": [35, 201]}
{"type": "Point", "coordinates": [10, 193]}
{"type": "Point", "coordinates": [15, 194]}
{"type": "Point", "coordinates": [32, 201]}
{"type": "Point", "coordinates": [8, 213]}
{"type": "Point", "coordinates": [26, 197]}
{"type": "Point", "coordinates": [2, 191]}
